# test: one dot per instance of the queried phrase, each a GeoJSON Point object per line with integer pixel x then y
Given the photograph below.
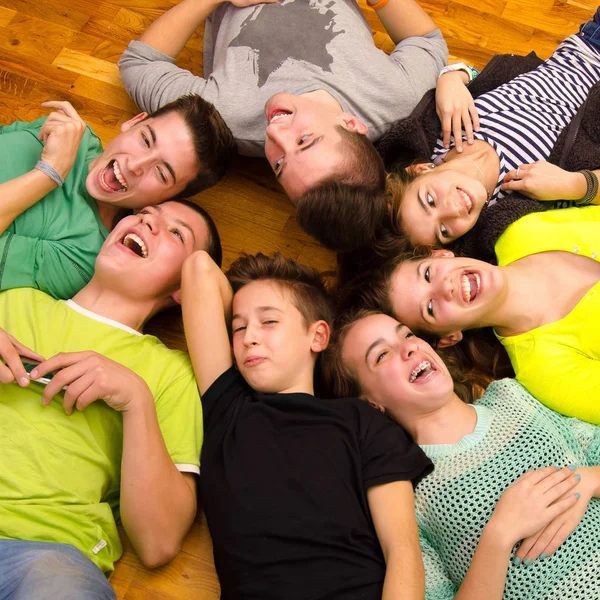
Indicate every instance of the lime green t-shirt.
{"type": "Point", "coordinates": [53, 245]}
{"type": "Point", "coordinates": [60, 475]}
{"type": "Point", "coordinates": [559, 363]}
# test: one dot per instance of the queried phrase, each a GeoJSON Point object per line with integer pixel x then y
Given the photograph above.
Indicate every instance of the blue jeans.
{"type": "Point", "coordinates": [590, 31]}
{"type": "Point", "coordinates": [40, 571]}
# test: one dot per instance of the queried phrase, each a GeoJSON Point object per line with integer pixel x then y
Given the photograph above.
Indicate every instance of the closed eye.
{"type": "Point", "coordinates": [269, 322]}
{"type": "Point", "coordinates": [381, 356]}
{"type": "Point", "coordinates": [177, 233]}
{"type": "Point", "coordinates": [240, 328]}
{"type": "Point", "coordinates": [145, 140]}
{"type": "Point", "coordinates": [162, 176]}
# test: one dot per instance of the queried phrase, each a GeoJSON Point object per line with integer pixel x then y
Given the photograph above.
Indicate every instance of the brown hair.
{"type": "Point", "coordinates": [346, 211]}
{"type": "Point", "coordinates": [306, 285]}
{"type": "Point", "coordinates": [340, 381]}
{"type": "Point", "coordinates": [214, 144]}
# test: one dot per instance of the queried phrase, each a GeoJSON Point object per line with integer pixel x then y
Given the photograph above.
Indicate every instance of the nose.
{"type": "Point", "coordinates": [408, 347]}
{"type": "Point", "coordinates": [250, 336]}
{"type": "Point", "coordinates": [137, 164]}
{"type": "Point", "coordinates": [443, 288]}
{"type": "Point", "coordinates": [152, 221]}
{"type": "Point", "coordinates": [280, 134]}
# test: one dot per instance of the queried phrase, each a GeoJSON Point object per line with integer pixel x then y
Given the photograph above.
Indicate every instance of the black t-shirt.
{"type": "Point", "coordinates": [283, 485]}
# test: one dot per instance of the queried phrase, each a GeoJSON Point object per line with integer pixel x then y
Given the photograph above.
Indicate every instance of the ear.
{"type": "Point", "coordinates": [176, 295]}
{"type": "Point", "coordinates": [354, 124]}
{"type": "Point", "coordinates": [450, 339]}
{"type": "Point", "coordinates": [320, 336]}
{"type": "Point", "coordinates": [374, 405]}
{"type": "Point", "coordinates": [129, 124]}
{"type": "Point", "coordinates": [441, 252]}
{"type": "Point", "coordinates": [419, 168]}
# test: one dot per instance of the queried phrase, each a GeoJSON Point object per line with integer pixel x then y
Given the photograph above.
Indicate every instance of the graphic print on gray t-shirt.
{"type": "Point", "coordinates": [266, 32]}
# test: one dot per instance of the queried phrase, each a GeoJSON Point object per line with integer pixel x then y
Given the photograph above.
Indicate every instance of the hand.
{"type": "Point", "coordinates": [558, 530]}
{"type": "Point", "coordinates": [61, 134]}
{"type": "Point", "coordinates": [531, 502]}
{"type": "Point", "coordinates": [542, 180]}
{"type": "Point", "coordinates": [89, 376]}
{"type": "Point", "coordinates": [10, 353]}
{"type": "Point", "coordinates": [456, 109]}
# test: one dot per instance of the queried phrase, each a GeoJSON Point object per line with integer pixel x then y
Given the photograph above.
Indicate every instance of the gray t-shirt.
{"type": "Point", "coordinates": [295, 46]}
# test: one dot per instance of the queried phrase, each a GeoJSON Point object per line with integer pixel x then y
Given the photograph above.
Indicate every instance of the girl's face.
{"type": "Point", "coordinates": [441, 205]}
{"type": "Point", "coordinates": [396, 370]}
{"type": "Point", "coordinates": [444, 294]}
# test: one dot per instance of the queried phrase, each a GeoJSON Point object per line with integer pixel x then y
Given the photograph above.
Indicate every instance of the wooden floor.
{"type": "Point", "coordinates": [68, 49]}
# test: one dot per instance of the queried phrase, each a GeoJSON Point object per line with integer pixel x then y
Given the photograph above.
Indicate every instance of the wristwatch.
{"type": "Point", "coordinates": [472, 72]}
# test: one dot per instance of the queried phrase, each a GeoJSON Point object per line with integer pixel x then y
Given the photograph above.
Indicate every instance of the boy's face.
{"type": "Point", "coordinates": [150, 161]}
{"type": "Point", "coordinates": [272, 346]}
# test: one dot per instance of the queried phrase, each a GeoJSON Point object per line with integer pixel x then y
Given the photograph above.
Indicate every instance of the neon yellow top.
{"type": "Point", "coordinates": [559, 363]}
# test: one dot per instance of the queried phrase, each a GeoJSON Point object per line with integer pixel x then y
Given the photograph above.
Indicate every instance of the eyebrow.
{"type": "Point", "coordinates": [379, 341]}
{"type": "Point", "coordinates": [260, 309]}
{"type": "Point", "coordinates": [181, 223]}
{"type": "Point", "coordinates": [169, 167]}
{"type": "Point", "coordinates": [311, 144]}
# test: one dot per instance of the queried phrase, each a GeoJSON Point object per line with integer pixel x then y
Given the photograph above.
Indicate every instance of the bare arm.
{"type": "Point", "coordinates": [61, 134]}
{"type": "Point", "coordinates": [403, 19]}
{"type": "Point", "coordinates": [392, 509]}
{"type": "Point", "coordinates": [171, 31]}
{"type": "Point", "coordinates": [206, 298]}
{"type": "Point", "coordinates": [158, 503]}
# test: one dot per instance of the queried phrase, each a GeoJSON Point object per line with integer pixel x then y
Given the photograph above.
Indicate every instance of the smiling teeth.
{"type": "Point", "coordinates": [424, 365]}
{"type": "Point", "coordinates": [278, 115]}
{"type": "Point", "coordinates": [466, 286]}
{"type": "Point", "coordinates": [136, 239]}
{"type": "Point", "coordinates": [466, 198]}
{"type": "Point", "coordinates": [119, 176]}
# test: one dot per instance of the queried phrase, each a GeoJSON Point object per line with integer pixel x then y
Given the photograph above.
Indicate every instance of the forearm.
{"type": "Point", "coordinates": [206, 302]}
{"type": "Point", "coordinates": [404, 576]}
{"type": "Point", "coordinates": [20, 193]}
{"type": "Point", "coordinates": [486, 576]}
{"type": "Point", "coordinates": [171, 31]}
{"type": "Point", "coordinates": [157, 504]}
{"type": "Point", "coordinates": [403, 19]}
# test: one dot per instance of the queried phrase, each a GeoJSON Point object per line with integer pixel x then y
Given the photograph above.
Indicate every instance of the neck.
{"type": "Point", "coordinates": [485, 158]}
{"type": "Point", "coordinates": [107, 213]}
{"type": "Point", "coordinates": [111, 304]}
{"type": "Point", "coordinates": [445, 425]}
{"type": "Point", "coordinates": [517, 312]}
{"type": "Point", "coordinates": [324, 98]}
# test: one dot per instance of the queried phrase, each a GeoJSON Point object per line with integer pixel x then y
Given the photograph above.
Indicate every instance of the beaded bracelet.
{"type": "Point", "coordinates": [379, 4]}
{"type": "Point", "coordinates": [592, 188]}
{"type": "Point", "coordinates": [50, 171]}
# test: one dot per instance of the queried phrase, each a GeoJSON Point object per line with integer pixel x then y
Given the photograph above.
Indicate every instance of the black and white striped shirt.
{"type": "Point", "coordinates": [523, 118]}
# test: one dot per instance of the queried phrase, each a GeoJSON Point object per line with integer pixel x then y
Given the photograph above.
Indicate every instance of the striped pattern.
{"type": "Point", "coordinates": [523, 118]}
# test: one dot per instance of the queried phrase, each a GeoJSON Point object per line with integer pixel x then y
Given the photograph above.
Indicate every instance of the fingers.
{"type": "Point", "coordinates": [556, 488]}
{"type": "Point", "coordinates": [446, 128]}
{"type": "Point", "coordinates": [58, 361]}
{"type": "Point", "coordinates": [13, 370]}
{"type": "Point", "coordinates": [468, 127]}
{"type": "Point", "coordinates": [77, 394]}
{"type": "Point", "coordinates": [457, 130]}
{"type": "Point", "coordinates": [63, 378]}
{"type": "Point", "coordinates": [474, 116]}
{"type": "Point", "coordinates": [64, 107]}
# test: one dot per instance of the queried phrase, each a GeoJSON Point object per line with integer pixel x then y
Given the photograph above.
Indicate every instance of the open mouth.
{"type": "Point", "coordinates": [466, 199]}
{"type": "Point", "coordinates": [422, 372]}
{"type": "Point", "coordinates": [136, 244]}
{"type": "Point", "coordinates": [470, 285]}
{"type": "Point", "coordinates": [111, 178]}
{"type": "Point", "coordinates": [277, 114]}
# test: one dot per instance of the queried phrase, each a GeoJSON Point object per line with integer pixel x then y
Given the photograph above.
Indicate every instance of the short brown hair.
{"type": "Point", "coordinates": [345, 211]}
{"type": "Point", "coordinates": [306, 285]}
{"type": "Point", "coordinates": [214, 144]}
{"type": "Point", "coordinates": [339, 380]}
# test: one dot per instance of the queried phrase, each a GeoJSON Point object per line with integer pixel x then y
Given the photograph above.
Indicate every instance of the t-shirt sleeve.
{"type": "Point", "coordinates": [420, 59]}
{"type": "Point", "coordinates": [55, 267]}
{"type": "Point", "coordinates": [179, 413]}
{"type": "Point", "coordinates": [438, 585]}
{"type": "Point", "coordinates": [388, 454]}
{"type": "Point", "coordinates": [152, 79]}
{"type": "Point", "coordinates": [219, 398]}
